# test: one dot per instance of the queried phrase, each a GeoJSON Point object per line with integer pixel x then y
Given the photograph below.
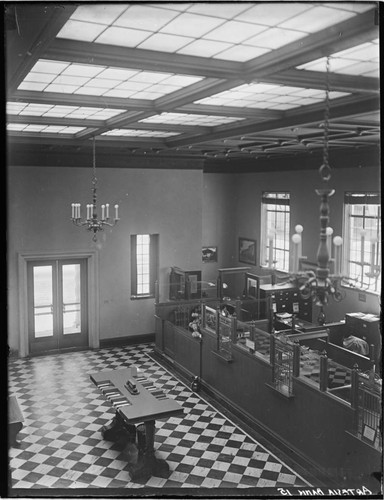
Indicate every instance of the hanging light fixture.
{"type": "Point", "coordinates": [321, 284]}
{"type": "Point", "coordinates": [92, 223]}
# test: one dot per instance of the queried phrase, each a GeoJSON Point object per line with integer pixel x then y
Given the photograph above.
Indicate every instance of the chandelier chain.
{"type": "Point", "coordinates": [326, 115]}
{"type": "Point", "coordinates": [94, 181]}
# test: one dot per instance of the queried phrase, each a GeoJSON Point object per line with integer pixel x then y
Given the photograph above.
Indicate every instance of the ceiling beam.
{"type": "Point", "coordinates": [52, 120]}
{"type": "Point", "coordinates": [207, 109]}
{"type": "Point", "coordinates": [150, 60]}
{"type": "Point", "coordinates": [300, 117]}
{"type": "Point", "coordinates": [82, 100]}
{"type": "Point", "coordinates": [317, 80]}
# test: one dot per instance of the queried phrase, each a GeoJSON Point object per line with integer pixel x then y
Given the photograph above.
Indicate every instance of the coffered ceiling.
{"type": "Point", "coordinates": [222, 81]}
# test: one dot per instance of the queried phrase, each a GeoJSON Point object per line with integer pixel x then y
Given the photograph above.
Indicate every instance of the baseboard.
{"type": "Point", "coordinates": [129, 340]}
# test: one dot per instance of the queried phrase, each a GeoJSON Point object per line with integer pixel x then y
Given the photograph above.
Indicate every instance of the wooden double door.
{"type": "Point", "coordinates": [57, 305]}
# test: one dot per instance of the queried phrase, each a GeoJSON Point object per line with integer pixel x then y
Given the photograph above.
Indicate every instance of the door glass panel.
{"type": "Point", "coordinates": [71, 299]}
{"type": "Point", "coordinates": [43, 303]}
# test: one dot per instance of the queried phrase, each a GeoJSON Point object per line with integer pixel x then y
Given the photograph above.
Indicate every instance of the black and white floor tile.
{"type": "Point", "coordinates": [61, 447]}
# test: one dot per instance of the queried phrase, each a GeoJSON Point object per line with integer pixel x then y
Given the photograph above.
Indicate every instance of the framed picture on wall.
{"type": "Point", "coordinates": [247, 251]}
{"type": "Point", "coordinates": [209, 254]}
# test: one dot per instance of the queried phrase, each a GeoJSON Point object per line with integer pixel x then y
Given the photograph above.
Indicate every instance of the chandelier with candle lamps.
{"type": "Point", "coordinates": [91, 222]}
{"type": "Point", "coordinates": [320, 284]}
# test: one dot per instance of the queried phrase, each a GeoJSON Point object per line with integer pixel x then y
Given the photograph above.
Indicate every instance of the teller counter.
{"type": "Point", "coordinates": [285, 391]}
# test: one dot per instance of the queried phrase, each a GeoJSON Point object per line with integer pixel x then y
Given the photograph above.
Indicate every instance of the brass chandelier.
{"type": "Point", "coordinates": [91, 222]}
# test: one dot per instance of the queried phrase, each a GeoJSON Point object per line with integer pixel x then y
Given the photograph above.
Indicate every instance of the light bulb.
{"type": "Point", "coordinates": [296, 238]}
{"type": "Point", "coordinates": [337, 241]}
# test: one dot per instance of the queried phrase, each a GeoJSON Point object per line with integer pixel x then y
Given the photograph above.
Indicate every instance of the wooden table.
{"type": "Point", "coordinates": [146, 406]}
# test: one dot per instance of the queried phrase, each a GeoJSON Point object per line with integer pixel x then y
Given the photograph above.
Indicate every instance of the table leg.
{"type": "Point", "coordinates": [148, 465]}
{"type": "Point", "coordinates": [13, 430]}
{"type": "Point", "coordinates": [119, 431]}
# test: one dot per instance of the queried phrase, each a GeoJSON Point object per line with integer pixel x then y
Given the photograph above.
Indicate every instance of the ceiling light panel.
{"type": "Point", "coordinates": [317, 18]}
{"type": "Point", "coordinates": [147, 18]}
{"type": "Point", "coordinates": [190, 119]}
{"type": "Point", "coordinates": [267, 96]}
{"type": "Point", "coordinates": [139, 133]}
{"type": "Point", "coordinates": [360, 60]}
{"type": "Point", "coordinates": [53, 129]}
{"type": "Point", "coordinates": [49, 110]}
{"type": "Point", "coordinates": [232, 30]}
{"type": "Point", "coordinates": [89, 79]}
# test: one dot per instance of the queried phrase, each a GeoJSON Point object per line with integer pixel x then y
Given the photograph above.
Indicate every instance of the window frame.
{"type": "Point", "coordinates": [153, 266]}
{"type": "Point", "coordinates": [373, 198]}
{"type": "Point", "coordinates": [264, 246]}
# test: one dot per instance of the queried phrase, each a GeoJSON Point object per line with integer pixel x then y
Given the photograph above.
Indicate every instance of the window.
{"type": "Point", "coordinates": [362, 240]}
{"type": "Point", "coordinates": [275, 218]}
{"type": "Point", "coordinates": [144, 264]}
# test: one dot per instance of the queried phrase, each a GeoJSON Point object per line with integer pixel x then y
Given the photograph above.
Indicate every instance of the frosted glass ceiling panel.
{"type": "Point", "coordinates": [83, 70]}
{"type": "Point", "coordinates": [148, 18]}
{"type": "Point", "coordinates": [25, 127]}
{"type": "Point", "coordinates": [46, 66]}
{"type": "Point", "coordinates": [363, 52]}
{"type": "Point", "coordinates": [272, 14]}
{"type": "Point", "coordinates": [179, 27]}
{"type": "Point", "coordinates": [234, 31]}
{"type": "Point", "coordinates": [47, 110]}
{"type": "Point", "coordinates": [263, 95]}
{"type": "Point", "coordinates": [193, 25]}
{"type": "Point", "coordinates": [79, 30]}
{"type": "Point", "coordinates": [190, 119]}
{"type": "Point", "coordinates": [39, 77]}
{"type": "Point", "coordinates": [102, 13]}
{"type": "Point", "coordinates": [358, 60]}
{"type": "Point", "coordinates": [91, 80]}
{"type": "Point", "coordinates": [32, 86]}
{"type": "Point", "coordinates": [168, 43]}
{"type": "Point", "coordinates": [123, 37]}
{"type": "Point", "coordinates": [241, 53]}
{"type": "Point", "coordinates": [360, 68]}
{"type": "Point", "coordinates": [316, 19]}
{"type": "Point", "coordinates": [357, 7]}
{"type": "Point", "coordinates": [226, 10]}
{"type": "Point", "coordinates": [275, 38]}
{"type": "Point", "coordinates": [204, 48]}
{"type": "Point", "coordinates": [140, 133]}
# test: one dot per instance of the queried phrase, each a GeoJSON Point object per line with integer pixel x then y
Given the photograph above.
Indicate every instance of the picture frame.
{"type": "Point", "coordinates": [252, 286]}
{"type": "Point", "coordinates": [209, 254]}
{"type": "Point", "coordinates": [247, 251]}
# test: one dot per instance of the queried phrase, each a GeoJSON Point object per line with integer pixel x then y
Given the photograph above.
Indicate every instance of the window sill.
{"type": "Point", "coordinates": [138, 297]}
{"type": "Point", "coordinates": [360, 290]}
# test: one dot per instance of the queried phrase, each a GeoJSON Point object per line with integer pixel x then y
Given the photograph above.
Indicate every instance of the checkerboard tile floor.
{"type": "Point", "coordinates": [61, 444]}
{"type": "Point", "coordinates": [338, 376]}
